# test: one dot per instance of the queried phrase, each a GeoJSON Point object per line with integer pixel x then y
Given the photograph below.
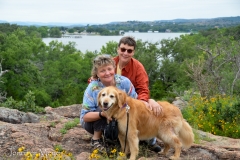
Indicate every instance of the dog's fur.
{"type": "Point", "coordinates": [170, 126]}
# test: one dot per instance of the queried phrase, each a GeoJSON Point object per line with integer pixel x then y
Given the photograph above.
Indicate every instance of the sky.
{"type": "Point", "coordinates": [106, 11]}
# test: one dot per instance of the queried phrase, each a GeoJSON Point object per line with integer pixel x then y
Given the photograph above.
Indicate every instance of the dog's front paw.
{"type": "Point", "coordinates": [162, 153]}
{"type": "Point", "coordinates": [174, 158]}
{"type": "Point", "coordinates": [122, 158]}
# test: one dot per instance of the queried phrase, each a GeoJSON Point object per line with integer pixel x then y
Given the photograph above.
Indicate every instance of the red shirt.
{"type": "Point", "coordinates": [137, 74]}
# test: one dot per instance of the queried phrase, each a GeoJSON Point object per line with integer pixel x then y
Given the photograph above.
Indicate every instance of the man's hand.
{"type": "Point", "coordinates": [146, 104]}
{"type": "Point", "coordinates": [155, 107]}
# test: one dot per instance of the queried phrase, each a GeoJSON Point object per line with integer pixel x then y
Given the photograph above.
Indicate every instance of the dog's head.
{"type": "Point", "coordinates": [109, 97]}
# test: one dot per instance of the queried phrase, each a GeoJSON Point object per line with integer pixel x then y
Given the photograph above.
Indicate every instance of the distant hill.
{"type": "Point", "coordinates": [175, 25]}
{"type": "Point", "coordinates": [217, 21]}
{"type": "Point", "coordinates": [210, 21]}
{"type": "Point", "coordinates": [1, 21]}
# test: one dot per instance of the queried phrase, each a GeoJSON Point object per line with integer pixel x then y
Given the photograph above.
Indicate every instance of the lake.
{"type": "Point", "coordinates": [95, 43]}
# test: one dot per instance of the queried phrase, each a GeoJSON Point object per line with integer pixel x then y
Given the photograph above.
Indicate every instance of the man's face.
{"type": "Point", "coordinates": [125, 52]}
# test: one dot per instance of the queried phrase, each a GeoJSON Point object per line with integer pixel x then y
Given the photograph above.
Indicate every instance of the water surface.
{"type": "Point", "coordinates": [95, 43]}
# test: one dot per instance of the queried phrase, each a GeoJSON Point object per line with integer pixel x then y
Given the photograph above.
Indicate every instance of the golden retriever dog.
{"type": "Point", "coordinates": [170, 126]}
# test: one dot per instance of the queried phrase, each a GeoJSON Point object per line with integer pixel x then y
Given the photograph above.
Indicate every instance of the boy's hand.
{"type": "Point", "coordinates": [155, 107]}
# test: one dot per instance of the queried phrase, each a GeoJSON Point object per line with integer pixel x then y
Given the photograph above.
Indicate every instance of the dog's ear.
{"type": "Point", "coordinates": [98, 98]}
{"type": "Point", "coordinates": [121, 96]}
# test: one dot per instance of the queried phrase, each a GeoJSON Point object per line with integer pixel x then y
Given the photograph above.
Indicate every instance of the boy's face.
{"type": "Point", "coordinates": [125, 53]}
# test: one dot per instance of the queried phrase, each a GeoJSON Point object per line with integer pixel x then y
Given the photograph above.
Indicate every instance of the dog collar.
{"type": "Point", "coordinates": [124, 105]}
{"type": "Point", "coordinates": [127, 107]}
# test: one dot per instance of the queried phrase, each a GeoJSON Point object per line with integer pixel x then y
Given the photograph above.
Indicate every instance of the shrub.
{"type": "Point", "coordinates": [28, 105]}
{"type": "Point", "coordinates": [219, 115]}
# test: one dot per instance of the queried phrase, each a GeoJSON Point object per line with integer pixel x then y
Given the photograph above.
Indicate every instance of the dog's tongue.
{"type": "Point", "coordinates": [105, 106]}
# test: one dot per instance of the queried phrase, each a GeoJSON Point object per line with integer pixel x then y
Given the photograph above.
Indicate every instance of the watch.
{"type": "Point", "coordinates": [100, 115]}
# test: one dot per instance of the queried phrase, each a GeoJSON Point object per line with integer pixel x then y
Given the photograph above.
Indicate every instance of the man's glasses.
{"type": "Point", "coordinates": [124, 50]}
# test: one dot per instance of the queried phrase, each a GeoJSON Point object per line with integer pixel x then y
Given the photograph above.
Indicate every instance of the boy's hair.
{"type": "Point", "coordinates": [127, 40]}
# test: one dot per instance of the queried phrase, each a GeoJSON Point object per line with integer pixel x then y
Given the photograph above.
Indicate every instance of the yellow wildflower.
{"type": "Point", "coordinates": [95, 151]}
{"type": "Point", "coordinates": [28, 154]}
{"type": "Point", "coordinates": [121, 154]}
{"type": "Point", "coordinates": [20, 149]}
{"type": "Point", "coordinates": [37, 155]}
{"type": "Point", "coordinates": [114, 151]}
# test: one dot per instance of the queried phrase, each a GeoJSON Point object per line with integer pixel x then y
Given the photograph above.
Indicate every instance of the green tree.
{"type": "Point", "coordinates": [65, 73]}
{"type": "Point", "coordinates": [55, 32]}
{"type": "Point", "coordinates": [71, 30]}
{"type": "Point", "coordinates": [148, 54]}
{"type": "Point", "coordinates": [81, 30]}
{"type": "Point", "coordinates": [90, 30]}
{"type": "Point", "coordinates": [43, 30]}
{"type": "Point", "coordinates": [17, 52]}
{"type": "Point", "coordinates": [110, 48]}
{"type": "Point", "coordinates": [7, 28]}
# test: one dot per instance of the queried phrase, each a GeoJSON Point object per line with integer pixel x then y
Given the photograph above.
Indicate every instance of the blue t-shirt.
{"type": "Point", "coordinates": [90, 95]}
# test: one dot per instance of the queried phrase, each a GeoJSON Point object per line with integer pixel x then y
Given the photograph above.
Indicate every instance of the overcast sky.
{"type": "Point", "coordinates": [105, 11]}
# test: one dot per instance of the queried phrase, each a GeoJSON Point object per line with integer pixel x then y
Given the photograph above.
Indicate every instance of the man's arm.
{"type": "Point", "coordinates": [141, 83]}
{"type": "Point", "coordinates": [144, 92]}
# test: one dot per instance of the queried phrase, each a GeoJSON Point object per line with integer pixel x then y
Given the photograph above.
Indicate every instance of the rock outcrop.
{"type": "Point", "coordinates": [40, 133]}
{"type": "Point", "coordinates": [15, 116]}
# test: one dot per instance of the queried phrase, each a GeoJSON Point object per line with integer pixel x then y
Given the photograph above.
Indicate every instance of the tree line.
{"type": "Point", "coordinates": [178, 25]}
{"type": "Point", "coordinates": [207, 62]}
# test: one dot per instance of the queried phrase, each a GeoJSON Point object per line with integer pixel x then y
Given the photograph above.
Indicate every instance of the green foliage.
{"type": "Point", "coordinates": [58, 148]}
{"type": "Point", "coordinates": [43, 31]}
{"type": "Point", "coordinates": [42, 98]}
{"type": "Point", "coordinates": [70, 125]}
{"type": "Point", "coordinates": [28, 105]}
{"type": "Point", "coordinates": [57, 74]}
{"type": "Point", "coordinates": [71, 30]}
{"type": "Point", "coordinates": [110, 48]}
{"type": "Point", "coordinates": [159, 92]}
{"type": "Point", "coordinates": [219, 115]}
{"type": "Point", "coordinates": [53, 124]}
{"type": "Point", "coordinates": [101, 31]}
{"type": "Point", "coordinates": [17, 52]}
{"type": "Point", "coordinates": [8, 28]}
{"type": "Point", "coordinates": [148, 54]}
{"type": "Point", "coordinates": [63, 131]}
{"type": "Point", "coordinates": [55, 32]}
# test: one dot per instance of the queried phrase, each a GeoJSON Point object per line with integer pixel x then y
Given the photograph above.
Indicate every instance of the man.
{"type": "Point", "coordinates": [131, 68]}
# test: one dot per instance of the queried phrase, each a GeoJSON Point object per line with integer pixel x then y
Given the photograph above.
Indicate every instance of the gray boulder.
{"type": "Point", "coordinates": [16, 117]}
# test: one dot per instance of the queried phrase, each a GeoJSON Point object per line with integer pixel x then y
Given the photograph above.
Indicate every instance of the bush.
{"type": "Point", "coordinates": [42, 98]}
{"type": "Point", "coordinates": [28, 105]}
{"type": "Point", "coordinates": [219, 115]}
